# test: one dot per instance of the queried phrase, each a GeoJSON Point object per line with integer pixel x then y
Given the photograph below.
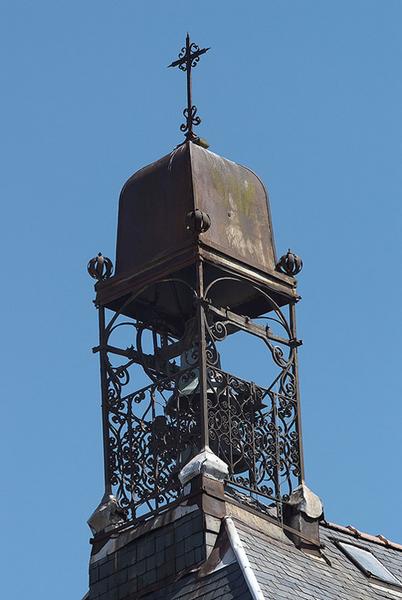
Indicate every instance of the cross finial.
{"type": "Point", "coordinates": [188, 58]}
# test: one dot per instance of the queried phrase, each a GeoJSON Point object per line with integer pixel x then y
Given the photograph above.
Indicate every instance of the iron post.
{"type": "Point", "coordinates": [202, 357]}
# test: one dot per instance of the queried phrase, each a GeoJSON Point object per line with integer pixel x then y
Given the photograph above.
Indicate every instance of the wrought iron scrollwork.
{"type": "Point", "coordinates": [189, 57]}
{"type": "Point", "coordinates": [255, 429]}
{"type": "Point", "coordinates": [154, 409]}
{"type": "Point", "coordinates": [192, 119]}
{"type": "Point", "coordinates": [150, 437]}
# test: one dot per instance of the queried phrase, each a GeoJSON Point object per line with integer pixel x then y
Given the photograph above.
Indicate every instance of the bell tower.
{"type": "Point", "coordinates": [183, 434]}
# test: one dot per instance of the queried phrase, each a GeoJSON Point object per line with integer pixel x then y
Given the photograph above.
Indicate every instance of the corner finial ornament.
{"type": "Point", "coordinates": [189, 56]}
{"type": "Point", "coordinates": [290, 264]}
{"type": "Point", "coordinates": [100, 267]}
{"type": "Point", "coordinates": [198, 221]}
{"type": "Point", "coordinates": [107, 515]}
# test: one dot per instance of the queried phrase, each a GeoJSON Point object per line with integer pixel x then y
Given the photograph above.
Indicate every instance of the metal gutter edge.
{"type": "Point", "coordinates": [243, 561]}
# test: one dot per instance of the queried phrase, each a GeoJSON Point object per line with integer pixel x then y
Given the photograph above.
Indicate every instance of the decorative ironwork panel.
{"type": "Point", "coordinates": [160, 407]}
{"type": "Point", "coordinates": [153, 432]}
{"type": "Point", "coordinates": [255, 429]}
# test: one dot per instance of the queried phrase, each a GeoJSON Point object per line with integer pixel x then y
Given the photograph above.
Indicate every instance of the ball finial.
{"type": "Point", "coordinates": [290, 264]}
{"type": "Point", "coordinates": [100, 267]}
{"type": "Point", "coordinates": [198, 221]}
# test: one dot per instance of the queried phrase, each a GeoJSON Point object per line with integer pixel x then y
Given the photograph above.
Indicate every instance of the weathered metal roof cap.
{"type": "Point", "coordinates": [156, 205]}
{"type": "Point", "coordinates": [193, 205]}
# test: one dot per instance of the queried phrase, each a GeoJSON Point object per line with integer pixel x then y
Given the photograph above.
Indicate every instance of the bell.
{"type": "Point", "coordinates": [184, 404]}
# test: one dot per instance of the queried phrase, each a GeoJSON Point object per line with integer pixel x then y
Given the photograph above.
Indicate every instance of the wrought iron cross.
{"type": "Point", "coordinates": [188, 58]}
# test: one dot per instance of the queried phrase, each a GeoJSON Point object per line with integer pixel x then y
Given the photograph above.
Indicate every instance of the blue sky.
{"type": "Point", "coordinates": [308, 94]}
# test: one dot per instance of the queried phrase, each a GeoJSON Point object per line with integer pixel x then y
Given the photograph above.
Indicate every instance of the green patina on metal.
{"type": "Point", "coordinates": [247, 196]}
{"type": "Point", "coordinates": [229, 182]}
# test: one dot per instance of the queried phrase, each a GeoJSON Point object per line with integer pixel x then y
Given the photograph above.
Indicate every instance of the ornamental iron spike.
{"type": "Point", "coordinates": [100, 267]}
{"type": "Point", "coordinates": [189, 56]}
{"type": "Point", "coordinates": [290, 264]}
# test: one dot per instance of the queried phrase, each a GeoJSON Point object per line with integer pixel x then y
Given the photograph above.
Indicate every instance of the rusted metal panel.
{"type": "Point", "coordinates": [155, 202]}
{"type": "Point", "coordinates": [152, 210]}
{"type": "Point", "coordinates": [237, 203]}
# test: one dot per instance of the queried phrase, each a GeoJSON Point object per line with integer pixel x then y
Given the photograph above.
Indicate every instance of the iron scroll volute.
{"type": "Point", "coordinates": [198, 221]}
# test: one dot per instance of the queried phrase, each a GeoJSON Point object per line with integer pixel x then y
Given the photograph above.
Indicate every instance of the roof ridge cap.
{"type": "Point", "coordinates": [242, 559]}
{"type": "Point", "coordinates": [361, 535]}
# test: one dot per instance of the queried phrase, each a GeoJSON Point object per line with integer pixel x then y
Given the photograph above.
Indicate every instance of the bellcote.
{"type": "Point", "coordinates": [196, 268]}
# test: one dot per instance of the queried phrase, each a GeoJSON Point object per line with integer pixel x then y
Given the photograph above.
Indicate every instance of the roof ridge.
{"type": "Point", "coordinates": [361, 535]}
{"type": "Point", "coordinates": [242, 559]}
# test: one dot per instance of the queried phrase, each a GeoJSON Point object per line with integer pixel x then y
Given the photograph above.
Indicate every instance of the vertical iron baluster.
{"type": "Point", "coordinates": [253, 474]}
{"type": "Point", "coordinates": [133, 459]}
{"type": "Point", "coordinates": [277, 459]}
{"type": "Point", "coordinates": [229, 409]}
{"type": "Point", "coordinates": [202, 357]}
{"type": "Point", "coordinates": [179, 433]}
{"type": "Point", "coordinates": [105, 401]}
{"type": "Point", "coordinates": [156, 446]}
{"type": "Point", "coordinates": [295, 369]}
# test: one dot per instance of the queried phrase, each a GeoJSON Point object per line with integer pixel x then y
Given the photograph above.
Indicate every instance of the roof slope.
{"type": "Point", "coordinates": [285, 572]}
{"type": "Point", "coordinates": [227, 583]}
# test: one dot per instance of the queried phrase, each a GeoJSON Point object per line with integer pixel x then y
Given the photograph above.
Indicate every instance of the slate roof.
{"type": "Point", "coordinates": [227, 583]}
{"type": "Point", "coordinates": [284, 572]}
